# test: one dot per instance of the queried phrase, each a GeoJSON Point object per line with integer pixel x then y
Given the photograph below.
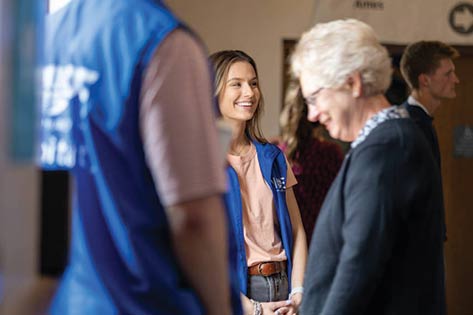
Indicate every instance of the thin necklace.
{"type": "Point", "coordinates": [240, 151]}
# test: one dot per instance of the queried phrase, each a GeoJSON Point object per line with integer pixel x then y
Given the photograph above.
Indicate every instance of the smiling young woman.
{"type": "Point", "coordinates": [270, 245]}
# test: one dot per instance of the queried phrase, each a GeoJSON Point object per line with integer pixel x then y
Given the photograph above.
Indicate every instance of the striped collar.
{"type": "Point", "coordinates": [392, 112]}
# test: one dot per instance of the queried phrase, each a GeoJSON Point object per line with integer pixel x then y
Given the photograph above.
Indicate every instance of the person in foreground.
{"type": "Point", "coordinates": [377, 247]}
{"type": "Point", "coordinates": [125, 104]}
{"type": "Point", "coordinates": [265, 217]}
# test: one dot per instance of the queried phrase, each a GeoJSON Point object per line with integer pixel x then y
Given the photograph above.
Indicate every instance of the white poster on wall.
{"type": "Point", "coordinates": [405, 21]}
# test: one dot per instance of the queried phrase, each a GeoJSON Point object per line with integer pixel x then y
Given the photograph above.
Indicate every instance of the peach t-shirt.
{"type": "Point", "coordinates": [260, 222]}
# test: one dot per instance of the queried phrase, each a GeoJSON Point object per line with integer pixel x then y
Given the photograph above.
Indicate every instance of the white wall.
{"type": "Point", "coordinates": [257, 27]}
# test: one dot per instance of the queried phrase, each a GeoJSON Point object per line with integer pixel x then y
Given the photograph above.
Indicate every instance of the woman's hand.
{"type": "Point", "coordinates": [276, 308]}
{"type": "Point", "coordinates": [295, 300]}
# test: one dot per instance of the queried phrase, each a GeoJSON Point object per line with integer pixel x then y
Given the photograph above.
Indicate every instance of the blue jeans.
{"type": "Point", "coordinates": [268, 289]}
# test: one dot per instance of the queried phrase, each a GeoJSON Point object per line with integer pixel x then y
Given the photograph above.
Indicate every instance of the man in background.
{"type": "Point", "coordinates": [427, 67]}
{"type": "Point", "coordinates": [127, 107]}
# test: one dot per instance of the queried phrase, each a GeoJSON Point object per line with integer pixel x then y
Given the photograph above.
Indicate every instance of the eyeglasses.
{"type": "Point", "coordinates": [312, 98]}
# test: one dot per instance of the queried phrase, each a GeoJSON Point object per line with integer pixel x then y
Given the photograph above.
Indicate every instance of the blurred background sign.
{"type": "Point", "coordinates": [405, 21]}
{"type": "Point", "coordinates": [463, 141]}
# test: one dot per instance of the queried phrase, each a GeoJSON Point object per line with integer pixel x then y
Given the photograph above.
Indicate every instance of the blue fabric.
{"type": "Point", "coordinates": [274, 170]}
{"type": "Point", "coordinates": [121, 260]}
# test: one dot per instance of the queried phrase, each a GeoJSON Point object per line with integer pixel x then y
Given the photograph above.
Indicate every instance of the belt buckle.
{"type": "Point", "coordinates": [272, 269]}
{"type": "Point", "coordinates": [260, 269]}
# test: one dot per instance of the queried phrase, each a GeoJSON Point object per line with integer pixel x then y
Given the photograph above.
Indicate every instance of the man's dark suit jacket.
{"type": "Point", "coordinates": [377, 247]}
{"type": "Point", "coordinates": [424, 121]}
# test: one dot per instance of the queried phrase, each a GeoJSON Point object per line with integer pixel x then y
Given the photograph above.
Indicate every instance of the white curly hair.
{"type": "Point", "coordinates": [331, 52]}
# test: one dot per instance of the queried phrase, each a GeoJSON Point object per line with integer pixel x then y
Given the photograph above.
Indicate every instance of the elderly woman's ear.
{"type": "Point", "coordinates": [355, 84]}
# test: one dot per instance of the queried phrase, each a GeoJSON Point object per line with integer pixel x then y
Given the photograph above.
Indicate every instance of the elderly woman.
{"type": "Point", "coordinates": [377, 246]}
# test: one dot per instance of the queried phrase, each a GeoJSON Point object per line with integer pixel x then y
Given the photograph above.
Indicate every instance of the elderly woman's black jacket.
{"type": "Point", "coordinates": [378, 244]}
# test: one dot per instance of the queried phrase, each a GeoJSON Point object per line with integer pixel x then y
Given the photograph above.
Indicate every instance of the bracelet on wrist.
{"type": "Point", "coordinates": [256, 307]}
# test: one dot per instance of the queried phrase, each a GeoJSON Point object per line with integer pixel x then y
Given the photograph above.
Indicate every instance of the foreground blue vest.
{"type": "Point", "coordinates": [274, 170]}
{"type": "Point", "coordinates": [121, 260]}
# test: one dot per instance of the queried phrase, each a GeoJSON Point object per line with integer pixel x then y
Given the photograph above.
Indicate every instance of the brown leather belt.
{"type": "Point", "coordinates": [267, 268]}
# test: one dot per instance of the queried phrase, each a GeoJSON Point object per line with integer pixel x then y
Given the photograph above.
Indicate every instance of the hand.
{"type": "Point", "coordinates": [276, 308]}
{"type": "Point", "coordinates": [292, 306]}
{"type": "Point", "coordinates": [291, 310]}
{"type": "Point", "coordinates": [296, 300]}
{"type": "Point", "coordinates": [294, 303]}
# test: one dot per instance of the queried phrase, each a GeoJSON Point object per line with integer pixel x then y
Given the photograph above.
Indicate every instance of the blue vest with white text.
{"type": "Point", "coordinates": [121, 259]}
{"type": "Point", "coordinates": [274, 170]}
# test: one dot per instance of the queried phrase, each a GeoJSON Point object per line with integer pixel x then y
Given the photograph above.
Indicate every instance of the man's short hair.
{"type": "Point", "coordinates": [424, 57]}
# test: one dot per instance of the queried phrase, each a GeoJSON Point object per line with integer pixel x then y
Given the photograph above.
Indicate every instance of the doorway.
{"type": "Point", "coordinates": [457, 174]}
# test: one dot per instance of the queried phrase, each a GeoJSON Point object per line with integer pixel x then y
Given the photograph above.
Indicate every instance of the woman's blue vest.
{"type": "Point", "coordinates": [121, 259]}
{"type": "Point", "coordinates": [274, 170]}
